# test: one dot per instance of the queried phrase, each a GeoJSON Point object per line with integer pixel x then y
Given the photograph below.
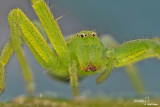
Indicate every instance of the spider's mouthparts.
{"type": "Point", "coordinates": [91, 68]}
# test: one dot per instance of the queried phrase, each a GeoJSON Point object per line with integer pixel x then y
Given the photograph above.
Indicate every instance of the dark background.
{"type": "Point", "coordinates": [124, 20]}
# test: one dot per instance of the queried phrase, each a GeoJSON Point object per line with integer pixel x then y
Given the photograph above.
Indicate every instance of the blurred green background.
{"type": "Point", "coordinates": [124, 20]}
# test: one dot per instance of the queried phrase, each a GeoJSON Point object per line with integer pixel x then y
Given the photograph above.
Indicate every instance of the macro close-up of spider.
{"type": "Point", "coordinates": [74, 57]}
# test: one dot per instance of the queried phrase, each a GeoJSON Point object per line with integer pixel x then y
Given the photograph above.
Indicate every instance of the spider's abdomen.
{"type": "Point", "coordinates": [86, 49]}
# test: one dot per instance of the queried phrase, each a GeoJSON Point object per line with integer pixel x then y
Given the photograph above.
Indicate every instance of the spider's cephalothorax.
{"type": "Point", "coordinates": [86, 48]}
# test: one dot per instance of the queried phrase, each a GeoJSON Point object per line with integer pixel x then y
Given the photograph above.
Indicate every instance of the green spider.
{"type": "Point", "coordinates": [76, 57]}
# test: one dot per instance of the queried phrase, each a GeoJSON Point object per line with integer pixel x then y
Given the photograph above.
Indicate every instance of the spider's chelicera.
{"type": "Point", "coordinates": [90, 68]}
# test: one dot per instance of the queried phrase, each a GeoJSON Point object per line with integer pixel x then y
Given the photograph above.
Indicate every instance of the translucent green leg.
{"type": "Point", "coordinates": [155, 45]}
{"type": "Point", "coordinates": [4, 58]}
{"type": "Point", "coordinates": [6, 53]}
{"type": "Point", "coordinates": [103, 76]}
{"type": "Point", "coordinates": [54, 33]}
{"type": "Point", "coordinates": [37, 44]}
{"type": "Point", "coordinates": [134, 51]}
{"type": "Point", "coordinates": [131, 70]}
{"type": "Point", "coordinates": [52, 29]}
{"type": "Point", "coordinates": [73, 79]}
{"type": "Point", "coordinates": [39, 26]}
{"type": "Point", "coordinates": [22, 27]}
{"type": "Point", "coordinates": [16, 42]}
{"type": "Point", "coordinates": [2, 78]}
{"type": "Point", "coordinates": [135, 79]}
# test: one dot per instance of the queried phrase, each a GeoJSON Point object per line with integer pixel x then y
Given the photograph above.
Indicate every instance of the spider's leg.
{"type": "Point", "coordinates": [2, 78]}
{"type": "Point", "coordinates": [155, 45]}
{"type": "Point", "coordinates": [73, 78]}
{"type": "Point", "coordinates": [40, 28]}
{"type": "Point", "coordinates": [136, 50]}
{"type": "Point", "coordinates": [4, 57]}
{"type": "Point", "coordinates": [21, 26]}
{"type": "Point", "coordinates": [131, 70]}
{"type": "Point", "coordinates": [52, 29]}
{"type": "Point", "coordinates": [104, 75]}
{"type": "Point", "coordinates": [133, 74]}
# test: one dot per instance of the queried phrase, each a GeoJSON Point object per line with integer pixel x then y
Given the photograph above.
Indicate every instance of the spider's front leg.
{"type": "Point", "coordinates": [73, 78]}
{"type": "Point", "coordinates": [134, 51]}
{"type": "Point", "coordinates": [22, 27]}
{"type": "Point", "coordinates": [131, 70]}
{"type": "Point", "coordinates": [55, 36]}
{"type": "Point", "coordinates": [4, 57]}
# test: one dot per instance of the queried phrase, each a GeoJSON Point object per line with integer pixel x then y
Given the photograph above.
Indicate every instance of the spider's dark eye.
{"type": "Point", "coordinates": [85, 34]}
{"type": "Point", "coordinates": [82, 35]}
{"type": "Point", "coordinates": [93, 34]}
{"type": "Point", "coordinates": [77, 34]}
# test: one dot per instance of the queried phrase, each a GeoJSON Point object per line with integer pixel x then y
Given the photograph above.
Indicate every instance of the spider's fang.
{"type": "Point", "coordinates": [91, 68]}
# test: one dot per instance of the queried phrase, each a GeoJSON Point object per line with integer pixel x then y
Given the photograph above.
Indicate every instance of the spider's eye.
{"type": "Point", "coordinates": [77, 34]}
{"type": "Point", "coordinates": [85, 34]}
{"type": "Point", "coordinates": [82, 35]}
{"type": "Point", "coordinates": [93, 34]}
